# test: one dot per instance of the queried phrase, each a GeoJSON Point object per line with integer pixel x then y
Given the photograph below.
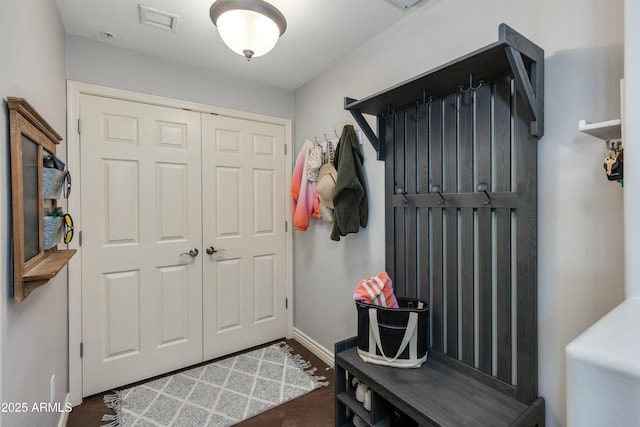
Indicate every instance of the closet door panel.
{"type": "Point", "coordinates": [244, 204]}
{"type": "Point", "coordinates": [140, 213]}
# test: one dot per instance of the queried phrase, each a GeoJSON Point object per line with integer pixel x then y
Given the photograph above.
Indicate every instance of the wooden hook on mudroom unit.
{"type": "Point", "coordinates": [436, 189]}
{"type": "Point", "coordinates": [482, 186]}
{"type": "Point", "coordinates": [401, 192]}
{"type": "Point", "coordinates": [425, 101]}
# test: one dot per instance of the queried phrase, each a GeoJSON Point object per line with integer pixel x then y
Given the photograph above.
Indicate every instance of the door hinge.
{"type": "Point", "coordinates": [78, 126]}
{"type": "Point", "coordinates": [286, 303]}
{"type": "Point", "coordinates": [285, 149]}
{"type": "Point", "coordinates": [81, 350]}
{"type": "Point", "coordinates": [80, 238]}
{"type": "Point", "coordinates": [286, 226]}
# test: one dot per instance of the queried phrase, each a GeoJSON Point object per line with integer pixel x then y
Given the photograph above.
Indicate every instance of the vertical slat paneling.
{"type": "Point", "coordinates": [450, 184]}
{"type": "Point", "coordinates": [411, 175]}
{"type": "Point", "coordinates": [437, 279]}
{"type": "Point", "coordinates": [502, 183]}
{"type": "Point", "coordinates": [476, 266]}
{"type": "Point", "coordinates": [400, 280]}
{"type": "Point", "coordinates": [389, 211]}
{"type": "Point", "coordinates": [526, 255]}
{"type": "Point", "coordinates": [422, 187]}
{"type": "Point", "coordinates": [465, 167]}
{"type": "Point", "coordinates": [484, 253]}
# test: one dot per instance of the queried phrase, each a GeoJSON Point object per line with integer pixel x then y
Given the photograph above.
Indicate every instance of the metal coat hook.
{"type": "Point", "coordinates": [482, 186]}
{"type": "Point", "coordinates": [401, 192]}
{"type": "Point", "coordinates": [614, 145]}
{"type": "Point", "coordinates": [425, 101]}
{"type": "Point", "coordinates": [436, 189]}
{"type": "Point", "coordinates": [471, 86]}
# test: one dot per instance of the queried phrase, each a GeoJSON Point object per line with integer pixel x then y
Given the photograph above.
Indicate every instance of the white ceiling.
{"type": "Point", "coordinates": [318, 32]}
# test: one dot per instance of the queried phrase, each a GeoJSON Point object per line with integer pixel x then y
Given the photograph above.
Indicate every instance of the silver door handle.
{"type": "Point", "coordinates": [211, 250]}
{"type": "Point", "coordinates": [192, 253]}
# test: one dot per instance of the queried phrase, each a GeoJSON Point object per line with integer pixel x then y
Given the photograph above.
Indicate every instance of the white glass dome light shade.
{"type": "Point", "coordinates": [248, 27]}
{"type": "Point", "coordinates": [245, 30]}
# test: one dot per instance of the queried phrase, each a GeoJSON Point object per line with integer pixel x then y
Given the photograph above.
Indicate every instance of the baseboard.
{"type": "Point", "coordinates": [325, 355]}
{"type": "Point", "coordinates": [64, 415]}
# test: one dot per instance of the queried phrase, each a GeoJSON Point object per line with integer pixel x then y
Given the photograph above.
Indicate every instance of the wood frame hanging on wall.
{"type": "Point", "coordinates": [31, 139]}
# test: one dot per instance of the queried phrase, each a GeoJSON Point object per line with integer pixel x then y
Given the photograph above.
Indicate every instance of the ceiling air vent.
{"type": "Point", "coordinates": [158, 18]}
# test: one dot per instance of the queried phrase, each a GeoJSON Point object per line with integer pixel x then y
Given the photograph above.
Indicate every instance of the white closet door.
{"type": "Point", "coordinates": [244, 203]}
{"type": "Point", "coordinates": [141, 209]}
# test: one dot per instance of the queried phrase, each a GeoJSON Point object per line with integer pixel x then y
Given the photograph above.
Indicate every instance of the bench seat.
{"type": "Point", "coordinates": [438, 395]}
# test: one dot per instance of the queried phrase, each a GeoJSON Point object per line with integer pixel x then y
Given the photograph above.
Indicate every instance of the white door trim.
{"type": "Point", "coordinates": [74, 91]}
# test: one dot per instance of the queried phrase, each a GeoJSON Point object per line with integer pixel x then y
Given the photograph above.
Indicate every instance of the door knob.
{"type": "Point", "coordinates": [192, 253]}
{"type": "Point", "coordinates": [211, 250]}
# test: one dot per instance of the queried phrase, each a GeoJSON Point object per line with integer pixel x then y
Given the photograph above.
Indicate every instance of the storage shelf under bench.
{"type": "Point", "coordinates": [433, 395]}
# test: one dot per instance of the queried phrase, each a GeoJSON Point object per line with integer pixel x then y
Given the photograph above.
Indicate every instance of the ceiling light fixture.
{"type": "Point", "coordinates": [249, 27]}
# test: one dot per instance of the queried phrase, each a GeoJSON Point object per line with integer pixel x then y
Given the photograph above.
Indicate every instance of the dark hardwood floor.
{"type": "Point", "coordinates": [314, 409]}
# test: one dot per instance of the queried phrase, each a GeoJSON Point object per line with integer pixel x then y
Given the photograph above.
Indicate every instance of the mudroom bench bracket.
{"type": "Point", "coordinates": [512, 54]}
{"type": "Point", "coordinates": [436, 394]}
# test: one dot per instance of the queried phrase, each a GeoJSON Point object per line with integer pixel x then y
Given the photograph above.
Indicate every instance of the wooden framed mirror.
{"type": "Point", "coordinates": [32, 139]}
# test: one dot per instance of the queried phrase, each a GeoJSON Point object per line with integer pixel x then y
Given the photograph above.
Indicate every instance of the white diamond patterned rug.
{"type": "Point", "coordinates": [218, 394]}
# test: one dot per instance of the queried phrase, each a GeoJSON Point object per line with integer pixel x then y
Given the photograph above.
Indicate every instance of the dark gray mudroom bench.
{"type": "Point", "coordinates": [459, 144]}
{"type": "Point", "coordinates": [434, 395]}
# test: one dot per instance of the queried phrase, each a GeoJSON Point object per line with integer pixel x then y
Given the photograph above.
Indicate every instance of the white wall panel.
{"type": "Point", "coordinates": [227, 141]}
{"type": "Point", "coordinates": [121, 202]}
{"type": "Point", "coordinates": [172, 304]}
{"type": "Point", "coordinates": [228, 297]}
{"type": "Point", "coordinates": [228, 192]}
{"type": "Point", "coordinates": [122, 309]}
{"type": "Point", "coordinates": [172, 207]}
{"type": "Point", "coordinates": [171, 135]}
{"type": "Point", "coordinates": [264, 146]}
{"type": "Point", "coordinates": [264, 182]}
{"type": "Point", "coordinates": [264, 284]}
{"type": "Point", "coordinates": [126, 69]}
{"type": "Point", "coordinates": [120, 129]}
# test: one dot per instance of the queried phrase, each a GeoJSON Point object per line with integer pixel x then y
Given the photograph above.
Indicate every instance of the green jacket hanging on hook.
{"type": "Point", "coordinates": [351, 207]}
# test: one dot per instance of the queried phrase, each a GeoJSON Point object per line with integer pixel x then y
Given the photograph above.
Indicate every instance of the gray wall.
{"type": "Point", "coordinates": [103, 64]}
{"type": "Point", "coordinates": [632, 155]}
{"type": "Point", "coordinates": [34, 332]}
{"type": "Point", "coordinates": [580, 235]}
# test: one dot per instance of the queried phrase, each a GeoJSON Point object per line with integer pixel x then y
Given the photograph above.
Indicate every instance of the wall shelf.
{"type": "Point", "coordinates": [512, 54]}
{"type": "Point", "coordinates": [31, 140]}
{"type": "Point", "coordinates": [608, 131]}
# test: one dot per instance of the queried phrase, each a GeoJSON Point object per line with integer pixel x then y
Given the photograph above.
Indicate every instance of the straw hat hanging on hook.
{"type": "Point", "coordinates": [327, 178]}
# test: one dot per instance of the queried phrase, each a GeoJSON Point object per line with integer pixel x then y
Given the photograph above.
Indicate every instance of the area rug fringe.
{"type": "Point", "coordinates": [304, 365]}
{"type": "Point", "coordinates": [113, 401]}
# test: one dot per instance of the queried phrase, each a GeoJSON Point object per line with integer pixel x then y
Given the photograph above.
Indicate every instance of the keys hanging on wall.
{"type": "Point", "coordinates": [613, 163]}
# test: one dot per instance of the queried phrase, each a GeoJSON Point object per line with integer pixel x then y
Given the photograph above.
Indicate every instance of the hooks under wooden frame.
{"type": "Point", "coordinates": [425, 101]}
{"type": "Point", "coordinates": [614, 145]}
{"type": "Point", "coordinates": [471, 85]}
